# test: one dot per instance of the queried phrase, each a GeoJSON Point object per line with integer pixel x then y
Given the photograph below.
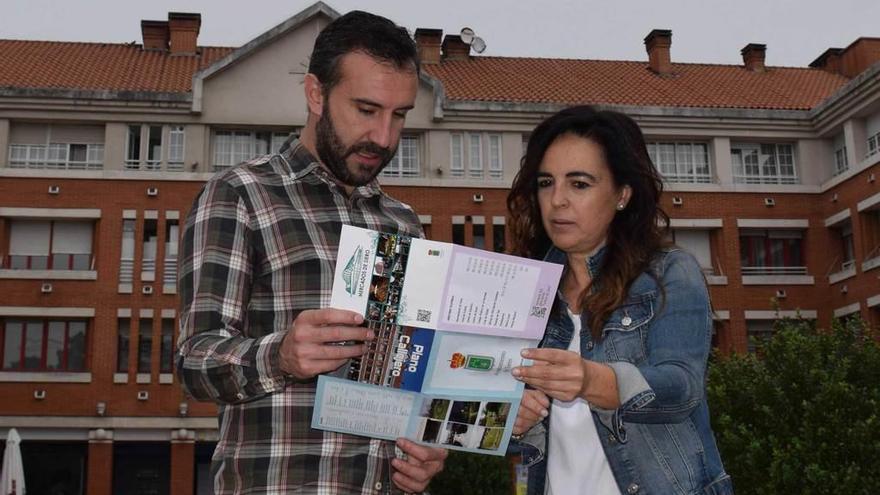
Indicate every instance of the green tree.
{"type": "Point", "coordinates": [801, 415]}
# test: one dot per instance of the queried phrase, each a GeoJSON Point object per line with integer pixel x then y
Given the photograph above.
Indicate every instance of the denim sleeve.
{"type": "Point", "coordinates": [670, 383]}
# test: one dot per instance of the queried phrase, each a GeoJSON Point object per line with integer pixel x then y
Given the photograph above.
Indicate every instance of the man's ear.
{"type": "Point", "coordinates": [314, 94]}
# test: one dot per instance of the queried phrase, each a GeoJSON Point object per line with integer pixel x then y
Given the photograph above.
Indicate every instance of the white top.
{"type": "Point", "coordinates": [576, 462]}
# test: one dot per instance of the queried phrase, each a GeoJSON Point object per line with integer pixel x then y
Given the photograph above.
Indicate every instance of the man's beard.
{"type": "Point", "coordinates": [333, 153]}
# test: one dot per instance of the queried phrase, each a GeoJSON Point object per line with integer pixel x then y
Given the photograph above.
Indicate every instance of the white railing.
{"type": "Point", "coordinates": [774, 270]}
{"type": "Point", "coordinates": [126, 271]}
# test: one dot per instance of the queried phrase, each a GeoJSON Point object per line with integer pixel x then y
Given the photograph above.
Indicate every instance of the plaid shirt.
{"type": "Point", "coordinates": [259, 246]}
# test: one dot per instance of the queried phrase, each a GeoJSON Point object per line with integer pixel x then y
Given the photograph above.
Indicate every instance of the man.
{"type": "Point", "coordinates": [258, 253]}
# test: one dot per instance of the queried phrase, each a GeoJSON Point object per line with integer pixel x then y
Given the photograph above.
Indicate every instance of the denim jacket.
{"type": "Point", "coordinates": [659, 441]}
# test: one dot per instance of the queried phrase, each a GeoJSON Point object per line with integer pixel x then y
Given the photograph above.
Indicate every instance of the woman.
{"type": "Point", "coordinates": [617, 387]}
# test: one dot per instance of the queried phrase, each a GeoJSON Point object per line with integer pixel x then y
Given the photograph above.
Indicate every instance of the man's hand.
{"type": "Point", "coordinates": [533, 408]}
{"type": "Point", "coordinates": [312, 346]}
{"type": "Point", "coordinates": [423, 463]}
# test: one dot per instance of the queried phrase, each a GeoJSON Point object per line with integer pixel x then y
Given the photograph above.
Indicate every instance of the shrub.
{"type": "Point", "coordinates": [800, 415]}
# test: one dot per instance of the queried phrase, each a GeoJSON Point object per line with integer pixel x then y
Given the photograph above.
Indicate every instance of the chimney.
{"type": "Point", "coordinates": [184, 32]}
{"type": "Point", "coordinates": [657, 43]}
{"type": "Point", "coordinates": [428, 42]}
{"type": "Point", "coordinates": [454, 48]}
{"type": "Point", "coordinates": [155, 35]}
{"type": "Point", "coordinates": [753, 57]}
{"type": "Point", "coordinates": [829, 61]}
{"type": "Point", "coordinates": [859, 55]}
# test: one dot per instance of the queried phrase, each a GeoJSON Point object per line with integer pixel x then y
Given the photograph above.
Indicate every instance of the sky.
{"type": "Point", "coordinates": [705, 31]}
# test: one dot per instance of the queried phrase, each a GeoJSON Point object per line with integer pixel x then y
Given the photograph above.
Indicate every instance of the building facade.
{"type": "Point", "coordinates": [771, 181]}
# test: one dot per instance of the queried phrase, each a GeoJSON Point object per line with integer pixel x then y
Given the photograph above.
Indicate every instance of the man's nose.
{"type": "Point", "coordinates": [383, 133]}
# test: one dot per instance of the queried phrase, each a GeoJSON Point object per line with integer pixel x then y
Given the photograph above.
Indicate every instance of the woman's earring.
{"type": "Point", "coordinates": [620, 206]}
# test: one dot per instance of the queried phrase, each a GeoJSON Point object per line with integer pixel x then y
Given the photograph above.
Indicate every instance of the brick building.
{"type": "Point", "coordinates": [771, 181]}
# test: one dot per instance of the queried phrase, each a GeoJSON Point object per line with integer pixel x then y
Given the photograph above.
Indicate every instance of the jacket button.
{"type": "Point", "coordinates": [626, 321]}
{"type": "Point", "coordinates": [378, 485]}
{"type": "Point", "coordinates": [611, 439]}
{"type": "Point", "coordinates": [590, 345]}
{"type": "Point", "coordinates": [632, 489]}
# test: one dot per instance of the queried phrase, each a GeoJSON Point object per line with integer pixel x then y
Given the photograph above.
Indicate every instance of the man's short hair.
{"type": "Point", "coordinates": [361, 31]}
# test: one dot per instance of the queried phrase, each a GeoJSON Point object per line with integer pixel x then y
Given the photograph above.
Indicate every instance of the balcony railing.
{"type": "Point", "coordinates": [774, 270]}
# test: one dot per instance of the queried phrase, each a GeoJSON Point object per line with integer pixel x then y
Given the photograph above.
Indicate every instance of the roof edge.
{"type": "Point", "coordinates": [96, 94]}
{"type": "Point", "coordinates": [243, 51]}
{"type": "Point", "coordinates": [867, 75]}
{"type": "Point", "coordinates": [653, 111]}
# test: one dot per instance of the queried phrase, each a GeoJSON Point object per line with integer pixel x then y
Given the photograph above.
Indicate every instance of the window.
{"type": "Point", "coordinates": [874, 144]}
{"type": "Point", "coordinates": [150, 157]}
{"type": "Point", "coordinates": [126, 261]}
{"type": "Point", "coordinates": [458, 233]}
{"type": "Point", "coordinates": [846, 245]}
{"type": "Point", "coordinates": [176, 142]}
{"type": "Point", "coordinates": [50, 245]}
{"type": "Point", "coordinates": [870, 220]}
{"type": "Point", "coordinates": [232, 147]}
{"type": "Point", "coordinates": [496, 169]}
{"type": "Point", "coordinates": [148, 263]}
{"type": "Point", "coordinates": [166, 354]}
{"type": "Point", "coordinates": [123, 336]}
{"type": "Point", "coordinates": [498, 244]}
{"type": "Point", "coordinates": [763, 164]}
{"type": "Point", "coordinates": [479, 232]}
{"type": "Point", "coordinates": [681, 162]}
{"type": "Point", "coordinates": [841, 162]}
{"type": "Point", "coordinates": [697, 242]}
{"type": "Point", "coordinates": [169, 268]}
{"type": "Point", "coordinates": [475, 156]}
{"type": "Point", "coordinates": [406, 161]}
{"type": "Point", "coordinates": [145, 344]}
{"type": "Point", "coordinates": [758, 331]}
{"type": "Point", "coordinates": [456, 167]}
{"type": "Point", "coordinates": [58, 156]}
{"type": "Point", "coordinates": [772, 252]}
{"type": "Point", "coordinates": [43, 345]}
{"type": "Point", "coordinates": [470, 153]}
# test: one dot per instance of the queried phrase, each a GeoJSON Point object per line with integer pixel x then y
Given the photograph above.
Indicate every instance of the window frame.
{"type": "Point", "coordinates": [44, 328]}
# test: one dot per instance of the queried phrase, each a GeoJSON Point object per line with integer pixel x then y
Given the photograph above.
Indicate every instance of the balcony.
{"type": "Point", "coordinates": [776, 275]}
{"type": "Point", "coordinates": [58, 266]}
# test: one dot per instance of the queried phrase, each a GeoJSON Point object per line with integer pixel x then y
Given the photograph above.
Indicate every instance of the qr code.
{"type": "Point", "coordinates": [538, 312]}
{"type": "Point", "coordinates": [423, 315]}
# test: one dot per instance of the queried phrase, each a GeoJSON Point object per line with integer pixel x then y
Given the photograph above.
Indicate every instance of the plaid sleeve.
{"type": "Point", "coordinates": [216, 358]}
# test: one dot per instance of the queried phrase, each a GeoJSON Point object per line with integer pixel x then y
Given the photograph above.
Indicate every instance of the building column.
{"type": "Point", "coordinates": [183, 451]}
{"type": "Point", "coordinates": [721, 160]}
{"type": "Point", "coordinates": [4, 142]}
{"type": "Point", "coordinates": [99, 476]}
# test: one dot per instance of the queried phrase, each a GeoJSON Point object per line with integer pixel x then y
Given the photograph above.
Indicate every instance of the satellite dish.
{"type": "Point", "coordinates": [478, 44]}
{"type": "Point", "coordinates": [467, 35]}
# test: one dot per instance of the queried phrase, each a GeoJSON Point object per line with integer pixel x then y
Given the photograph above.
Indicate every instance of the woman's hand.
{"type": "Point", "coordinates": [533, 408]}
{"type": "Point", "coordinates": [560, 374]}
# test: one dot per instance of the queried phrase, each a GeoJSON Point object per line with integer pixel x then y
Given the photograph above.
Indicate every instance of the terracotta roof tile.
{"type": "Point", "coordinates": [127, 67]}
{"type": "Point", "coordinates": [565, 81]}
{"type": "Point", "coordinates": [99, 66]}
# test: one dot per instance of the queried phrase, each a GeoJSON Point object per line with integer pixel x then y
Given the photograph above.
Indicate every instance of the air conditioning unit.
{"type": "Point", "coordinates": [844, 289]}
{"type": "Point", "coordinates": [871, 177]}
{"type": "Point", "coordinates": [39, 394]}
{"type": "Point", "coordinates": [780, 294]}
{"type": "Point", "coordinates": [677, 201]}
{"type": "Point", "coordinates": [46, 288]}
{"type": "Point", "coordinates": [54, 189]}
{"type": "Point", "coordinates": [143, 395]}
{"type": "Point", "coordinates": [834, 198]}
{"type": "Point", "coordinates": [769, 202]}
{"type": "Point", "coordinates": [478, 198]}
{"type": "Point", "coordinates": [147, 289]}
{"type": "Point", "coordinates": [152, 191]}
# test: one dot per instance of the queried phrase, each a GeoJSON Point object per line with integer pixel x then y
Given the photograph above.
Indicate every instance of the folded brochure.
{"type": "Point", "coordinates": [450, 322]}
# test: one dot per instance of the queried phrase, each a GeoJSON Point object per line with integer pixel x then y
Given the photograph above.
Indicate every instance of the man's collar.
{"type": "Point", "coordinates": [302, 162]}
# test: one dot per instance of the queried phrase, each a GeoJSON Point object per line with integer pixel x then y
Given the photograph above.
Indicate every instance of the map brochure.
{"type": "Point", "coordinates": [450, 322]}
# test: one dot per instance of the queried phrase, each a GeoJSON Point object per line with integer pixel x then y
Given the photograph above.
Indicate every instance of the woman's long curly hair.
{"type": "Point", "coordinates": [635, 233]}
